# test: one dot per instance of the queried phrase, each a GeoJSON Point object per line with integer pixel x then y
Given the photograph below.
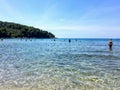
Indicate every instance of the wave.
{"type": "Point", "coordinates": [100, 56]}
{"type": "Point", "coordinates": [86, 56]}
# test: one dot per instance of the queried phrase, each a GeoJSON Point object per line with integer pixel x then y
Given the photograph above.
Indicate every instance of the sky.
{"type": "Point", "coordinates": [66, 18]}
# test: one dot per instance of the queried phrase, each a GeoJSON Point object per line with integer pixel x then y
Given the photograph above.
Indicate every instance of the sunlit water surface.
{"type": "Point", "coordinates": [45, 64]}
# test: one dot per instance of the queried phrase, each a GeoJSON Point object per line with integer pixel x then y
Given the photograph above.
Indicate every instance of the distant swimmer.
{"type": "Point", "coordinates": [69, 40]}
{"type": "Point", "coordinates": [30, 39]}
{"type": "Point", "coordinates": [1, 39]}
{"type": "Point", "coordinates": [110, 44]}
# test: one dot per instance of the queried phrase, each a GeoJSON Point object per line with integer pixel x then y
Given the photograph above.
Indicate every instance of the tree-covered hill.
{"type": "Point", "coordinates": [13, 30]}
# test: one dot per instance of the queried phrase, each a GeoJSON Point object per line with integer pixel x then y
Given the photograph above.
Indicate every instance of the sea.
{"type": "Point", "coordinates": [59, 64]}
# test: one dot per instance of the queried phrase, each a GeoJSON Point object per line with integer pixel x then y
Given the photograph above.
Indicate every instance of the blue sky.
{"type": "Point", "coordinates": [66, 18]}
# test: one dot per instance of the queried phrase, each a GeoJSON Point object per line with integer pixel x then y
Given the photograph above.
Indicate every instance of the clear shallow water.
{"type": "Point", "coordinates": [45, 64]}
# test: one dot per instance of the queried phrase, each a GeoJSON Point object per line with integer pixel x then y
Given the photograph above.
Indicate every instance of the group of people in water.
{"type": "Point", "coordinates": [110, 44]}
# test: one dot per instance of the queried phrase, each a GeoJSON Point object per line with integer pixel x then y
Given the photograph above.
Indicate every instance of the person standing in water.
{"type": "Point", "coordinates": [69, 40]}
{"type": "Point", "coordinates": [110, 44]}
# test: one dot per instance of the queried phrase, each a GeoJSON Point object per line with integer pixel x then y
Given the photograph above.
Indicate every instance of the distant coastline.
{"type": "Point", "coordinates": [14, 30]}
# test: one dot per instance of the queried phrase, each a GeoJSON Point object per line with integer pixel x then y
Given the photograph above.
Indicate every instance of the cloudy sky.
{"type": "Point", "coordinates": [66, 18]}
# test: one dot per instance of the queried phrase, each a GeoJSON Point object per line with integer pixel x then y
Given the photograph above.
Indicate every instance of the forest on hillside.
{"type": "Point", "coordinates": [14, 30]}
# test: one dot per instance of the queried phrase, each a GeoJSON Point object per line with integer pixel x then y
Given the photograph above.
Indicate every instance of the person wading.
{"type": "Point", "coordinates": [110, 44]}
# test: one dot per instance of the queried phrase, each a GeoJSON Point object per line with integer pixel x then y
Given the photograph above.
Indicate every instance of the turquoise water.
{"type": "Point", "coordinates": [45, 64]}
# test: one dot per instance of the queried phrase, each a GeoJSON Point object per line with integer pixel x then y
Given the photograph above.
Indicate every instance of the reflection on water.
{"type": "Point", "coordinates": [45, 64]}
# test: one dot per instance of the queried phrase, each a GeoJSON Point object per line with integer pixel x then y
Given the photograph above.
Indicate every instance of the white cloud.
{"type": "Point", "coordinates": [48, 13]}
{"type": "Point", "coordinates": [87, 27]}
{"type": "Point", "coordinates": [98, 11]}
{"type": "Point", "coordinates": [85, 32]}
{"type": "Point", "coordinates": [61, 19]}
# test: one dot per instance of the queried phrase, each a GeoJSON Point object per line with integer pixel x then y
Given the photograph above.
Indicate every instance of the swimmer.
{"type": "Point", "coordinates": [110, 44]}
{"type": "Point", "coordinates": [69, 40]}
